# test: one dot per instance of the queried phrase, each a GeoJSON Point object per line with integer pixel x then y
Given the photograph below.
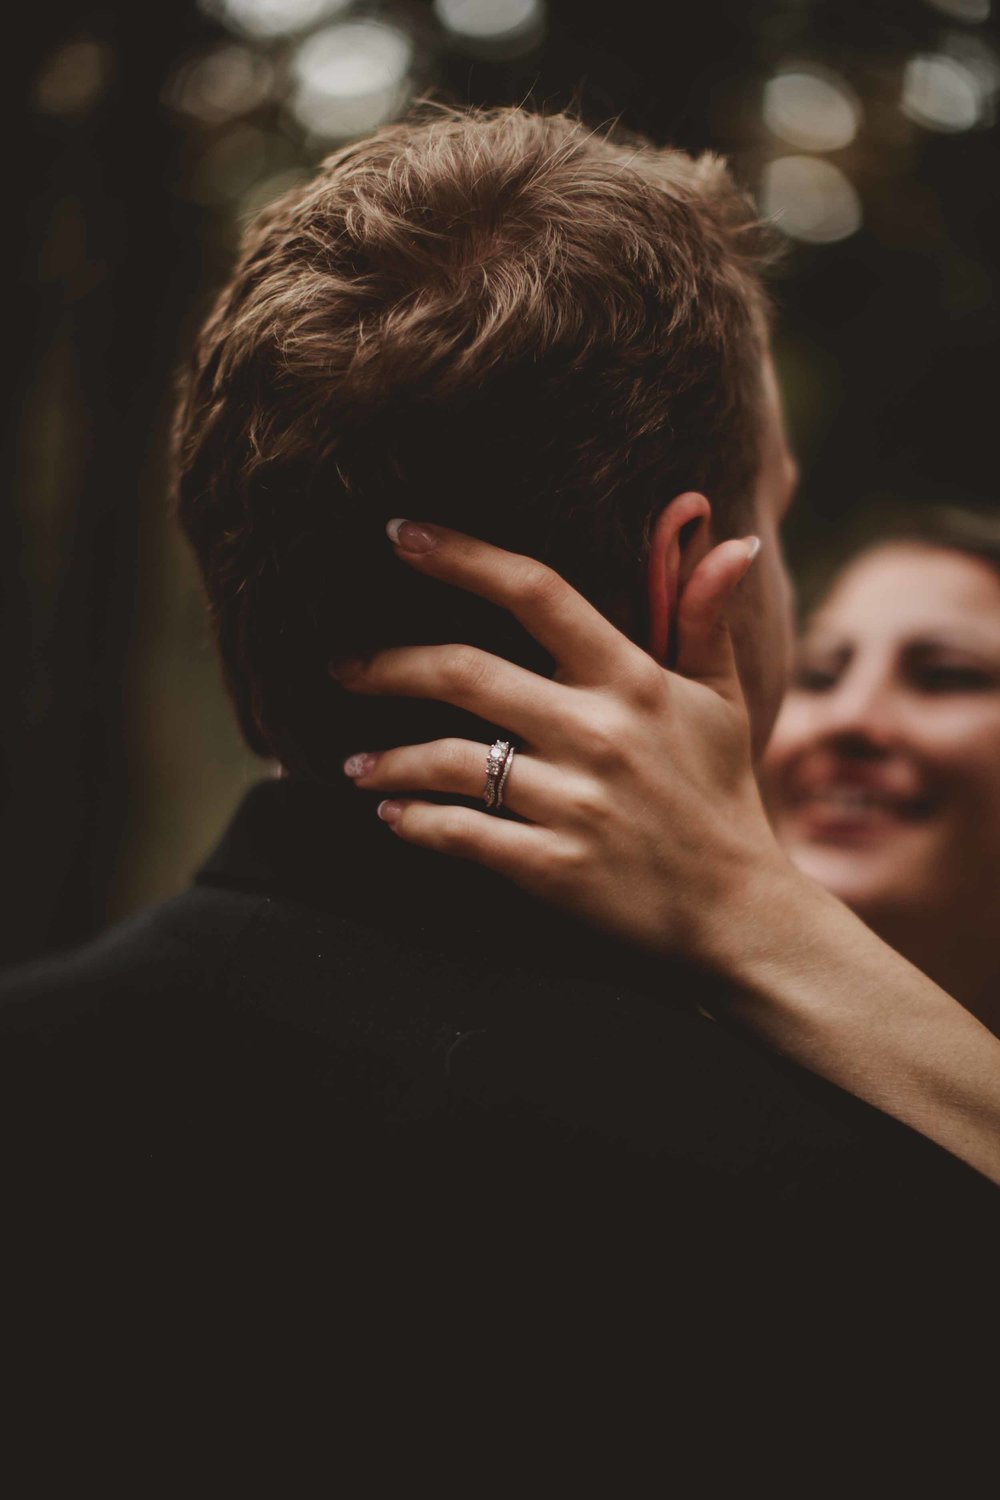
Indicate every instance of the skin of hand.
{"type": "Point", "coordinates": [679, 861]}
{"type": "Point", "coordinates": [589, 776]}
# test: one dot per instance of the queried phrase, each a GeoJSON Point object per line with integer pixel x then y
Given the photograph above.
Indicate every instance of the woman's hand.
{"type": "Point", "coordinates": [636, 785]}
{"type": "Point", "coordinates": [642, 816]}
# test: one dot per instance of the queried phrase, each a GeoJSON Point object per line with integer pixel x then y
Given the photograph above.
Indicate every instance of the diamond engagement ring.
{"type": "Point", "coordinates": [498, 764]}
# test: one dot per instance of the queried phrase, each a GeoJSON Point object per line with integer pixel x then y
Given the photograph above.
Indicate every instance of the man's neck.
{"type": "Point", "coordinates": [325, 846]}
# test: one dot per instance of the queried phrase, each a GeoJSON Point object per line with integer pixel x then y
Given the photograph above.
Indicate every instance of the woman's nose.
{"type": "Point", "coordinates": [860, 714]}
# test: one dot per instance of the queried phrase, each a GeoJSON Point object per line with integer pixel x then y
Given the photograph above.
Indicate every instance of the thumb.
{"type": "Point", "coordinates": [704, 645]}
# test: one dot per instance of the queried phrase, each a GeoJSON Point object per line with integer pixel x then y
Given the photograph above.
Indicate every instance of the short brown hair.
{"type": "Point", "coordinates": [497, 320]}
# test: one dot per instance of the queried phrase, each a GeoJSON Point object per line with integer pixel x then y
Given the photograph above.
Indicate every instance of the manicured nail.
{"type": "Point", "coordinates": [753, 547]}
{"type": "Point", "coordinates": [359, 765]}
{"type": "Point", "coordinates": [390, 812]}
{"type": "Point", "coordinates": [409, 537]}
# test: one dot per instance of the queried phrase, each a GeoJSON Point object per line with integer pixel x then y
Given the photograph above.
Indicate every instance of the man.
{"type": "Point", "coordinates": [342, 1054]}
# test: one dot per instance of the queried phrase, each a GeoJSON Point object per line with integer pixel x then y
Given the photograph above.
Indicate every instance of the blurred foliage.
{"type": "Point", "coordinates": [147, 134]}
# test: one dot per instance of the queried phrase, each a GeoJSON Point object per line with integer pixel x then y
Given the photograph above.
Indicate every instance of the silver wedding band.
{"type": "Point", "coordinates": [498, 764]}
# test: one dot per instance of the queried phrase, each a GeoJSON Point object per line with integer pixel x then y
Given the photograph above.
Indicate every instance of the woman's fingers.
{"type": "Point", "coordinates": [705, 648]}
{"type": "Point", "coordinates": [585, 646]}
{"type": "Point", "coordinates": [531, 790]}
{"type": "Point", "coordinates": [487, 686]}
{"type": "Point", "coordinates": [516, 850]}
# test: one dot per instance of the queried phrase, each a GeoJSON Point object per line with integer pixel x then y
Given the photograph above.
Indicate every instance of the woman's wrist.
{"type": "Point", "coordinates": [806, 973]}
{"type": "Point", "coordinates": [745, 930]}
{"type": "Point", "coordinates": [808, 977]}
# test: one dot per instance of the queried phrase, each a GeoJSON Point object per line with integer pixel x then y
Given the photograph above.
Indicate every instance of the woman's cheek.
{"type": "Point", "coordinates": [964, 746]}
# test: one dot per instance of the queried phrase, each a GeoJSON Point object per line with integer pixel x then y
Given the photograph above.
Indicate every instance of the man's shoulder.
{"type": "Point", "coordinates": [166, 949]}
{"type": "Point", "coordinates": [284, 1010]}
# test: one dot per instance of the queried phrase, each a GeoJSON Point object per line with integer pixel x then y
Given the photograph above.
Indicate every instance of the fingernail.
{"type": "Point", "coordinates": [753, 547]}
{"type": "Point", "coordinates": [390, 812]}
{"type": "Point", "coordinates": [359, 765]}
{"type": "Point", "coordinates": [409, 537]}
{"type": "Point", "coordinates": [338, 670]}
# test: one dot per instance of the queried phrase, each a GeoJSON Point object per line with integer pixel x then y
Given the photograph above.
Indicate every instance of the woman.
{"type": "Point", "coordinates": [686, 862]}
{"type": "Point", "coordinates": [883, 772]}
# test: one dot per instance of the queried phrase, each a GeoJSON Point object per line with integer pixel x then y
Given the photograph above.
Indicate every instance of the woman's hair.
{"type": "Point", "coordinates": [495, 320]}
{"type": "Point", "coordinates": [973, 532]}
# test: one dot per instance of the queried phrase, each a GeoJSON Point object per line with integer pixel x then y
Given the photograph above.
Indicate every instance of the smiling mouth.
{"type": "Point", "coordinates": [849, 808]}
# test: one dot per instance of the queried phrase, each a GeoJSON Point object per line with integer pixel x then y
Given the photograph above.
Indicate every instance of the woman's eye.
{"type": "Point", "coordinates": [944, 678]}
{"type": "Point", "coordinates": [814, 679]}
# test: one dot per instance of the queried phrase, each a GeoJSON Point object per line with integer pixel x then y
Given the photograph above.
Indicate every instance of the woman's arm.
{"type": "Point", "coordinates": [639, 811]}
{"type": "Point", "coordinates": [819, 986]}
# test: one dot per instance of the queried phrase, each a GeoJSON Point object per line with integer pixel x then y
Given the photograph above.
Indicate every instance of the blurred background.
{"type": "Point", "coordinates": [143, 135]}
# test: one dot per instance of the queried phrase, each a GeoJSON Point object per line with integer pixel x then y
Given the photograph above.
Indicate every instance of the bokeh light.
{"type": "Point", "coordinates": [493, 28]}
{"type": "Point", "coordinates": [221, 84]}
{"type": "Point", "coordinates": [811, 108]}
{"type": "Point", "coordinates": [810, 199]}
{"type": "Point", "coordinates": [963, 10]}
{"type": "Point", "coordinates": [235, 162]}
{"type": "Point", "coordinates": [351, 77]}
{"type": "Point", "coordinates": [73, 78]}
{"type": "Point", "coordinates": [978, 58]}
{"type": "Point", "coordinates": [940, 93]}
{"type": "Point", "coordinates": [272, 18]}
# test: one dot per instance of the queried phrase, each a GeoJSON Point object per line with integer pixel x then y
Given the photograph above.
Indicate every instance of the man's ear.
{"type": "Point", "coordinates": [680, 539]}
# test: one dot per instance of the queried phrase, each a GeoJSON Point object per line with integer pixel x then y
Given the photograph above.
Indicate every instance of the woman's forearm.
{"type": "Point", "coordinates": [819, 986]}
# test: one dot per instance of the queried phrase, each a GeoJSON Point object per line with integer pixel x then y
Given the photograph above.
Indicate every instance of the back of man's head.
{"type": "Point", "coordinates": [497, 321]}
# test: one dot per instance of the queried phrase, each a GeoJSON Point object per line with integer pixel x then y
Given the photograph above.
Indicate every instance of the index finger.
{"type": "Point", "coordinates": [586, 647]}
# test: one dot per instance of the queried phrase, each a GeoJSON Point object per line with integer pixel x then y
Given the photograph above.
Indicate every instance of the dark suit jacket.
{"type": "Point", "coordinates": [342, 1073]}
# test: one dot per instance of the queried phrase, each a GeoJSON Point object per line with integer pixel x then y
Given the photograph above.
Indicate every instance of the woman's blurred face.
{"type": "Point", "coordinates": [883, 774]}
